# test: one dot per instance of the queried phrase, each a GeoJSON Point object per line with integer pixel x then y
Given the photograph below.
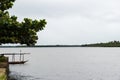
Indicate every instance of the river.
{"type": "Point", "coordinates": [67, 63]}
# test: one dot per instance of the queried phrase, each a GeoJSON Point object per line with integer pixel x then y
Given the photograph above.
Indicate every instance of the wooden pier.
{"type": "Point", "coordinates": [4, 63]}
{"type": "Point", "coordinates": [14, 61]}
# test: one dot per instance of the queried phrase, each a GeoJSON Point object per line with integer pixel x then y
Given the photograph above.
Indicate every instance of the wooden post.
{"type": "Point", "coordinates": [20, 56]}
{"type": "Point", "coordinates": [13, 57]}
{"type": "Point", "coordinates": [23, 57]}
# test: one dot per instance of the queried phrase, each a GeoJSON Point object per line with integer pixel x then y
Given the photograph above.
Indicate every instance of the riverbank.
{"type": "Point", "coordinates": [3, 75]}
{"type": "Point", "coordinates": [4, 68]}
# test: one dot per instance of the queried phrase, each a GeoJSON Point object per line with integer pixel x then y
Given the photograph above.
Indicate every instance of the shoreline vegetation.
{"type": "Point", "coordinates": [107, 44]}
{"type": "Point", "coordinates": [4, 67]}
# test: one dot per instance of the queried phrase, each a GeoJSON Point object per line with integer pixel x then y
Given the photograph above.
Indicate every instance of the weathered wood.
{"type": "Point", "coordinates": [21, 58]}
{"type": "Point", "coordinates": [18, 62]}
{"type": "Point", "coordinates": [14, 53]}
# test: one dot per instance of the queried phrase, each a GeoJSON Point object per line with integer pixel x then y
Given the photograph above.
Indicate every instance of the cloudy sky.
{"type": "Point", "coordinates": [73, 21]}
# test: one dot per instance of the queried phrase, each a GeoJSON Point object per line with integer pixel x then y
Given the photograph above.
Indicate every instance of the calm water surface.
{"type": "Point", "coordinates": [67, 63]}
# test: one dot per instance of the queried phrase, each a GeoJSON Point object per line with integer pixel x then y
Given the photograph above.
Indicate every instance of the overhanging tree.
{"type": "Point", "coordinates": [12, 31]}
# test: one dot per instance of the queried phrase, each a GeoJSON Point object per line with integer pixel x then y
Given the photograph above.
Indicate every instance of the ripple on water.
{"type": "Point", "coordinates": [18, 76]}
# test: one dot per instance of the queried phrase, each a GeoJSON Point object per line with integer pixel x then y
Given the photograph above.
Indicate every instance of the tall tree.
{"type": "Point", "coordinates": [12, 31]}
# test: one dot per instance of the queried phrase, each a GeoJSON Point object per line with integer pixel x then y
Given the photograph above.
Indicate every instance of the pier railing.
{"type": "Point", "coordinates": [19, 60]}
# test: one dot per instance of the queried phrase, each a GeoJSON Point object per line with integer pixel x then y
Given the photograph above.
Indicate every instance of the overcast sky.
{"type": "Point", "coordinates": [72, 21]}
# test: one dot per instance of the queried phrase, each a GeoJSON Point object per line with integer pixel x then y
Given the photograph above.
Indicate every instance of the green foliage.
{"type": "Point", "coordinates": [2, 59]}
{"type": "Point", "coordinates": [12, 31]}
{"type": "Point", "coordinates": [108, 44]}
{"type": "Point", "coordinates": [6, 4]}
{"type": "Point", "coordinates": [3, 77]}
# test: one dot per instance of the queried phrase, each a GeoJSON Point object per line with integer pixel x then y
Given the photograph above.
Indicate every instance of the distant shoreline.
{"type": "Point", "coordinates": [42, 46]}
{"type": "Point", "coordinates": [107, 44]}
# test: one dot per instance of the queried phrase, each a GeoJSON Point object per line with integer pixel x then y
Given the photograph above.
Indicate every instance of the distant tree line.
{"type": "Point", "coordinates": [12, 31]}
{"type": "Point", "coordinates": [107, 44]}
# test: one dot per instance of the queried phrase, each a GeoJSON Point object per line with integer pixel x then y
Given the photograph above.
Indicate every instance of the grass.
{"type": "Point", "coordinates": [3, 77]}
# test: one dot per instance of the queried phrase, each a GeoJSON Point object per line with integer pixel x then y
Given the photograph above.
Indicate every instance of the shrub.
{"type": "Point", "coordinates": [2, 59]}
